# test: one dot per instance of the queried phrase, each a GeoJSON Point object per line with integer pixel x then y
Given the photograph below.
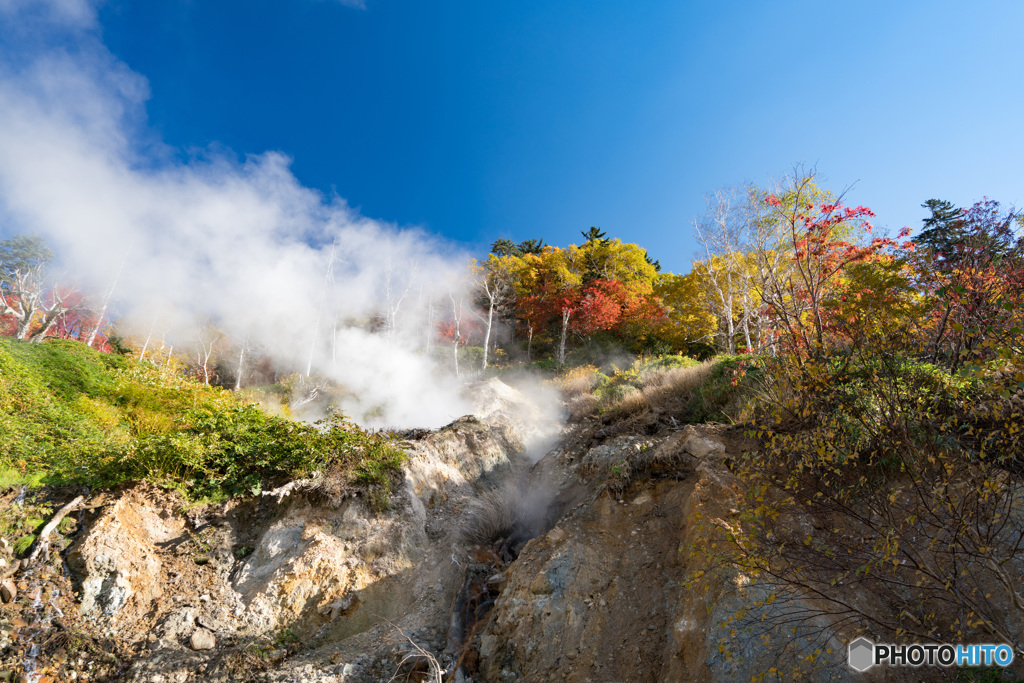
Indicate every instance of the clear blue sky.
{"type": "Point", "coordinates": [480, 120]}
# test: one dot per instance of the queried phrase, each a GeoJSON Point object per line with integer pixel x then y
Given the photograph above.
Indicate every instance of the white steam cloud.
{"type": "Point", "coordinates": [241, 243]}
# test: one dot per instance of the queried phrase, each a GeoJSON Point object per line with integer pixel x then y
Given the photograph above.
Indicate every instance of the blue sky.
{"type": "Point", "coordinates": [479, 120]}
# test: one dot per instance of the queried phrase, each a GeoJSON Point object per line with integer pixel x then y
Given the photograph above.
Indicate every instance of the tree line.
{"type": "Point", "coordinates": [788, 266]}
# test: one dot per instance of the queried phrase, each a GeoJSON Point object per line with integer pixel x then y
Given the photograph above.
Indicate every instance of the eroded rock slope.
{"type": "Point", "coordinates": [494, 564]}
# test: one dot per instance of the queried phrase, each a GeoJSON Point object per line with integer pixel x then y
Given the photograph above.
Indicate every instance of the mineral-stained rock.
{"type": "Point", "coordinates": [119, 562]}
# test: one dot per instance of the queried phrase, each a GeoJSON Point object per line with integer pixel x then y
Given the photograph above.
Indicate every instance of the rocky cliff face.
{"type": "Point", "coordinates": [491, 566]}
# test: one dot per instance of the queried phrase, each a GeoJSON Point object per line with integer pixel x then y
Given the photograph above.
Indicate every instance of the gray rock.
{"type": "Point", "coordinates": [701, 446]}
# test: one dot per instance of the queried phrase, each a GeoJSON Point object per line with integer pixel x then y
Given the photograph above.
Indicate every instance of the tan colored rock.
{"type": "Point", "coordinates": [119, 560]}
{"type": "Point", "coordinates": [202, 640]}
{"type": "Point", "coordinates": [8, 591]}
{"type": "Point", "coordinates": [701, 445]}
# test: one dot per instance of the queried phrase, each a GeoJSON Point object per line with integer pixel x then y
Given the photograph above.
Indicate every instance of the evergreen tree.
{"type": "Point", "coordinates": [943, 230]}
{"type": "Point", "coordinates": [530, 246]}
{"type": "Point", "coordinates": [594, 235]}
{"type": "Point", "coordinates": [505, 247]}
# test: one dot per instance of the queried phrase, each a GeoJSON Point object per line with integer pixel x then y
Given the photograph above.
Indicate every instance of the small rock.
{"type": "Point", "coordinates": [202, 640]}
{"type": "Point", "coordinates": [348, 670]}
{"type": "Point", "coordinates": [210, 623]}
{"type": "Point", "coordinates": [4, 544]}
{"type": "Point", "coordinates": [204, 598]}
{"type": "Point", "coordinates": [8, 591]}
{"type": "Point", "coordinates": [701, 446]}
{"type": "Point", "coordinates": [557, 535]}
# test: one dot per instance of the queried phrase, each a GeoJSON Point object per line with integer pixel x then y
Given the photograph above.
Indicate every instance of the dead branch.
{"type": "Point", "coordinates": [435, 668]}
{"type": "Point", "coordinates": [43, 542]}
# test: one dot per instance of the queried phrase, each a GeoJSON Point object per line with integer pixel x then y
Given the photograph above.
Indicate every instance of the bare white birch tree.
{"type": "Point", "coordinates": [206, 339]}
{"type": "Point", "coordinates": [725, 233]}
{"type": "Point", "coordinates": [395, 292]}
{"type": "Point", "coordinates": [494, 286]}
{"type": "Point", "coordinates": [457, 312]}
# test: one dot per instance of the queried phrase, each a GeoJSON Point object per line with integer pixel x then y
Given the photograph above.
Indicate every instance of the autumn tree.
{"type": "Point", "coordinates": [805, 240]}
{"type": "Point", "coordinates": [971, 265]}
{"type": "Point", "coordinates": [689, 321]}
{"type": "Point", "coordinates": [558, 274]}
{"type": "Point", "coordinates": [26, 296]}
{"type": "Point", "coordinates": [79, 321]}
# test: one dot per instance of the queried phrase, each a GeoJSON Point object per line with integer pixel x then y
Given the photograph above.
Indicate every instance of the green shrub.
{"type": "Point", "coordinates": [71, 415]}
{"type": "Point", "coordinates": [546, 365]}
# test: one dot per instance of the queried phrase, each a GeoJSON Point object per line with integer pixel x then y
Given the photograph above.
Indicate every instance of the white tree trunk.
{"type": "Point", "coordinates": [457, 332]}
{"type": "Point", "coordinates": [149, 336]}
{"type": "Point", "coordinates": [487, 334]}
{"type": "Point", "coordinates": [109, 293]}
{"type": "Point", "coordinates": [565, 328]}
{"type": "Point", "coordinates": [241, 367]}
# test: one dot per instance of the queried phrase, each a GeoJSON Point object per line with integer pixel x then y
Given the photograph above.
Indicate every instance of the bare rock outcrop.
{"type": "Point", "coordinates": [194, 590]}
{"type": "Point", "coordinates": [592, 563]}
{"type": "Point", "coordinates": [614, 593]}
{"type": "Point", "coordinates": [119, 560]}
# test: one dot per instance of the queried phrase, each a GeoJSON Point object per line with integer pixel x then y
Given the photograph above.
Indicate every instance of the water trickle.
{"type": "Point", "coordinates": [20, 499]}
{"type": "Point", "coordinates": [42, 616]}
{"type": "Point", "coordinates": [30, 666]}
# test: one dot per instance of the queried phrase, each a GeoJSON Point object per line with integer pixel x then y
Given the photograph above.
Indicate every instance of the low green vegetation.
{"type": "Point", "coordinates": [20, 524]}
{"type": "Point", "coordinates": [72, 415]}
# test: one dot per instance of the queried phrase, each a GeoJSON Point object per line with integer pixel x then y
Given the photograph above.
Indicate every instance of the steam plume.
{"type": "Point", "coordinates": [206, 235]}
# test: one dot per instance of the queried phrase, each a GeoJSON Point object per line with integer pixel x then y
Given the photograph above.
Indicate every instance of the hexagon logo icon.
{"type": "Point", "coordinates": [862, 654]}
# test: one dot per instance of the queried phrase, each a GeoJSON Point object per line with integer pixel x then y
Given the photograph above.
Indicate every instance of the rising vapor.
{"type": "Point", "coordinates": [202, 234]}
